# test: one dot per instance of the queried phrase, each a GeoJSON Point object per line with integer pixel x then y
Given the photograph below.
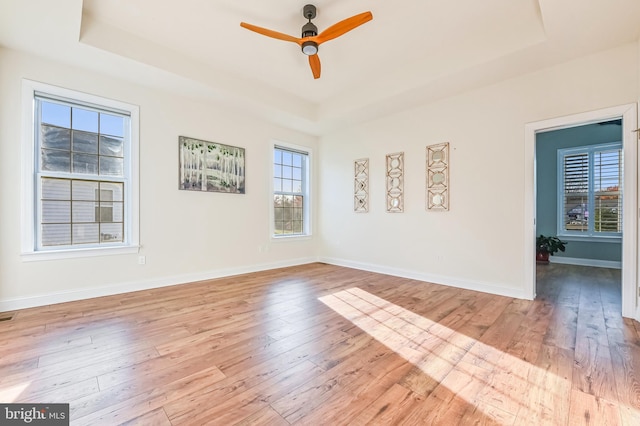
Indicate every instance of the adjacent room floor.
{"type": "Point", "coordinates": [321, 344]}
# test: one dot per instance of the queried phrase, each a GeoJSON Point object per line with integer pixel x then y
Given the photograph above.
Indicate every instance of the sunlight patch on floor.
{"type": "Point", "coordinates": [480, 374]}
{"type": "Point", "coordinates": [10, 394]}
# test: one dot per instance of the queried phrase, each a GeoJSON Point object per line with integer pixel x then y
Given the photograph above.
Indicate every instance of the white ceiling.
{"type": "Point", "coordinates": [413, 51]}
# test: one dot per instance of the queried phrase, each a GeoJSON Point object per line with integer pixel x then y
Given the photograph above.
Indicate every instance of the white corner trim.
{"type": "Point", "coordinates": [586, 262]}
{"type": "Point", "coordinates": [127, 287]}
{"type": "Point", "coordinates": [518, 293]}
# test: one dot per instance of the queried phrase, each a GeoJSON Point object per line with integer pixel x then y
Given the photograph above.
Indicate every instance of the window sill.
{"type": "Point", "coordinates": [590, 239]}
{"type": "Point", "coordinates": [290, 237]}
{"type": "Point", "coordinates": [34, 256]}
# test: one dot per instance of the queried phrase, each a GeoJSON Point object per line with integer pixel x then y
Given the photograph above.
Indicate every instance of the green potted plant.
{"type": "Point", "coordinates": [547, 246]}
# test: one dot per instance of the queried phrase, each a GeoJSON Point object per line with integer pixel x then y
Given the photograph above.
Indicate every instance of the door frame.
{"type": "Point", "coordinates": [629, 115]}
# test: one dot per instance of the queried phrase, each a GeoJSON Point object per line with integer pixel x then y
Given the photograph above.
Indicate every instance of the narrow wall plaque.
{"type": "Point", "coordinates": [361, 186]}
{"type": "Point", "coordinates": [395, 182]}
{"type": "Point", "coordinates": [438, 177]}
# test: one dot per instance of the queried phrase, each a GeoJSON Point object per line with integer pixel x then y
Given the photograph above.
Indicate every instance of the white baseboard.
{"type": "Point", "coordinates": [120, 288]}
{"type": "Point", "coordinates": [127, 287]}
{"type": "Point", "coordinates": [586, 262]}
{"type": "Point", "coordinates": [518, 293]}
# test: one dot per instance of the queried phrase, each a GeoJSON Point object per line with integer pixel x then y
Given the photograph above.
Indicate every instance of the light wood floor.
{"type": "Point", "coordinates": [325, 345]}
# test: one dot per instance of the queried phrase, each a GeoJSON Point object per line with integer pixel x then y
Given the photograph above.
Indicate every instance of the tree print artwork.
{"type": "Point", "coordinates": [210, 166]}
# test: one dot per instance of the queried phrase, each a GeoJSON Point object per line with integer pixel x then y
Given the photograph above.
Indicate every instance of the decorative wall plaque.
{"type": "Point", "coordinates": [361, 188]}
{"type": "Point", "coordinates": [395, 182]}
{"type": "Point", "coordinates": [438, 177]}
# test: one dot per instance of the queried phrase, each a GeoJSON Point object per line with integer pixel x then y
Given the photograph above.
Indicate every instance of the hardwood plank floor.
{"type": "Point", "coordinates": [321, 344]}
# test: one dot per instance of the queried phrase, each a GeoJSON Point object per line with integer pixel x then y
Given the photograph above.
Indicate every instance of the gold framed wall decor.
{"type": "Point", "coordinates": [361, 186]}
{"type": "Point", "coordinates": [395, 182]}
{"type": "Point", "coordinates": [438, 177]}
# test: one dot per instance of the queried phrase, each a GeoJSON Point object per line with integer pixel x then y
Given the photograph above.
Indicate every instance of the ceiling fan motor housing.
{"type": "Point", "coordinates": [309, 30]}
{"type": "Point", "coordinates": [309, 11]}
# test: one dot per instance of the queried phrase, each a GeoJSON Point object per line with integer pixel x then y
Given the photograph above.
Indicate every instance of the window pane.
{"type": "Point", "coordinates": [297, 160]}
{"type": "Point", "coordinates": [111, 212]}
{"type": "Point", "coordinates": [576, 213]}
{"type": "Point", "coordinates": [55, 235]}
{"type": "Point", "coordinates": [85, 190]}
{"type": "Point", "coordinates": [607, 171]}
{"type": "Point", "coordinates": [277, 170]}
{"type": "Point", "coordinates": [55, 138]}
{"type": "Point", "coordinates": [56, 114]}
{"type": "Point", "coordinates": [608, 210]}
{"type": "Point", "coordinates": [286, 214]}
{"type": "Point", "coordinates": [297, 173]}
{"type": "Point", "coordinates": [111, 146]}
{"type": "Point", "coordinates": [56, 189]}
{"type": "Point", "coordinates": [287, 186]}
{"type": "Point", "coordinates": [277, 184]}
{"type": "Point", "coordinates": [83, 119]}
{"type": "Point", "coordinates": [85, 163]}
{"type": "Point", "coordinates": [576, 196]}
{"type": "Point", "coordinates": [111, 232]}
{"type": "Point", "coordinates": [110, 166]}
{"type": "Point", "coordinates": [56, 211]}
{"type": "Point", "coordinates": [85, 142]}
{"type": "Point", "coordinates": [106, 212]}
{"type": "Point", "coordinates": [55, 161]}
{"type": "Point", "coordinates": [86, 233]}
{"type": "Point", "coordinates": [111, 125]}
{"type": "Point", "coordinates": [287, 158]}
{"type": "Point", "coordinates": [287, 172]}
{"type": "Point", "coordinates": [110, 191]}
{"type": "Point", "coordinates": [84, 211]}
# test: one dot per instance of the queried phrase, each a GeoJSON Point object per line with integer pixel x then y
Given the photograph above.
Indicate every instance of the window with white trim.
{"type": "Point", "coordinates": [590, 191]}
{"type": "Point", "coordinates": [83, 179]}
{"type": "Point", "coordinates": [291, 201]}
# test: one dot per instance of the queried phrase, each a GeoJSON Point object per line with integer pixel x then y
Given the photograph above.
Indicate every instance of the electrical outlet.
{"type": "Point", "coordinates": [142, 260]}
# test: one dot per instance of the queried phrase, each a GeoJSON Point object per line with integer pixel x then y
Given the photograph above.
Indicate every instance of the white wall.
{"type": "Point", "coordinates": [479, 243]}
{"type": "Point", "coordinates": [184, 235]}
{"type": "Point", "coordinates": [187, 236]}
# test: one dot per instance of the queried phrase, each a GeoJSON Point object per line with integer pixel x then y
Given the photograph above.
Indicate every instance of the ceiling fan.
{"type": "Point", "coordinates": [310, 39]}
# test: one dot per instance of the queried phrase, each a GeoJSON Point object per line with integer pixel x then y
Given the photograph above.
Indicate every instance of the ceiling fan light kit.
{"type": "Point", "coordinates": [309, 48]}
{"type": "Point", "coordinates": [310, 39]}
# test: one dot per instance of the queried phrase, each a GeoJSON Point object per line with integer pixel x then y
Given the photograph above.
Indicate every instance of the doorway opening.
{"type": "Point", "coordinates": [625, 254]}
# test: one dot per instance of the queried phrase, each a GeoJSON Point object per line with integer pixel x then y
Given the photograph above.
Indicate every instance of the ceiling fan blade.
{"type": "Point", "coordinates": [344, 26]}
{"type": "Point", "coordinates": [270, 33]}
{"type": "Point", "coordinates": [314, 61]}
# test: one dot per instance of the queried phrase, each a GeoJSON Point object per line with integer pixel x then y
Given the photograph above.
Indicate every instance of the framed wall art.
{"type": "Point", "coordinates": [361, 186]}
{"type": "Point", "coordinates": [438, 177]}
{"type": "Point", "coordinates": [210, 166]}
{"type": "Point", "coordinates": [395, 182]}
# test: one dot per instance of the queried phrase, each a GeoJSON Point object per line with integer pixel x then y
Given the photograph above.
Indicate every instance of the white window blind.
{"type": "Point", "coordinates": [590, 190]}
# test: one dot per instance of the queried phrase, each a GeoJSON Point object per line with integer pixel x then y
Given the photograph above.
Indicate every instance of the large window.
{"type": "Point", "coordinates": [290, 192]}
{"type": "Point", "coordinates": [590, 191]}
{"type": "Point", "coordinates": [82, 182]}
